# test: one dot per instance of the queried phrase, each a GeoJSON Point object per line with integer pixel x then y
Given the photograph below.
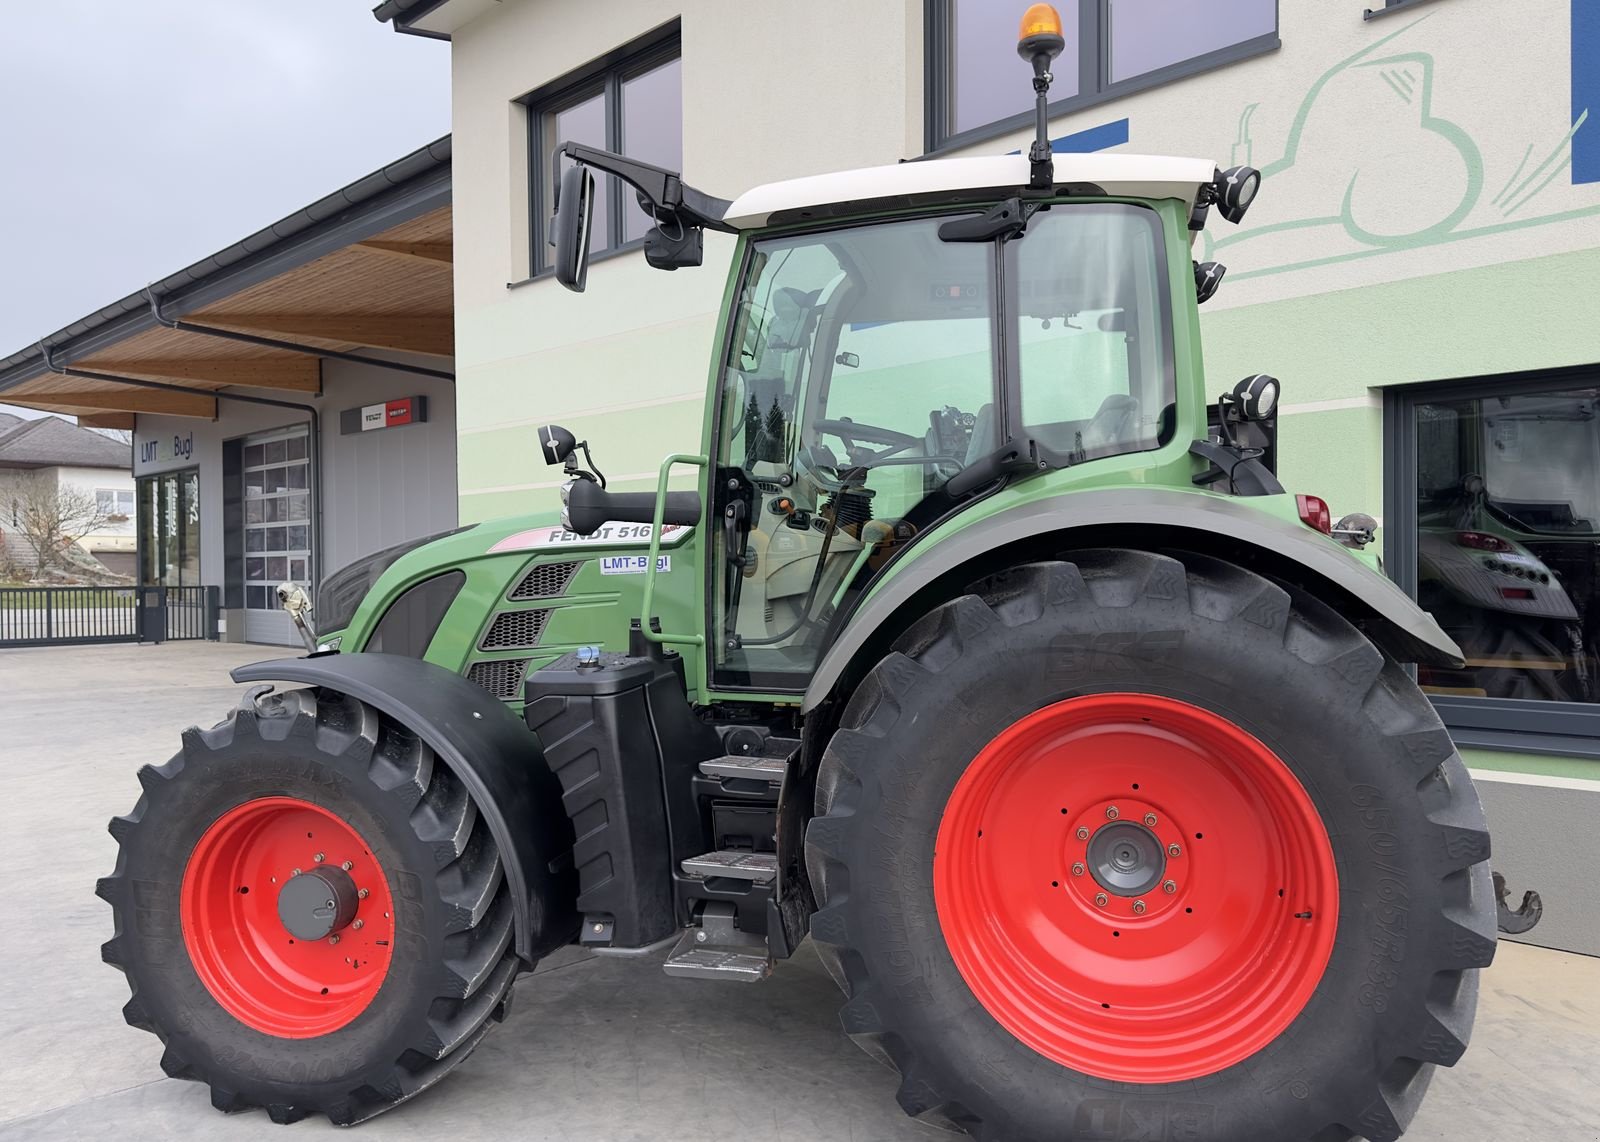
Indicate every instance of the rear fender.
{"type": "Point", "coordinates": [1148, 518]}
{"type": "Point", "coordinates": [485, 745]}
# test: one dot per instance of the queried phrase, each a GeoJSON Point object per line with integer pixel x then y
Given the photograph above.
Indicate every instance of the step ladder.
{"type": "Point", "coordinates": [716, 948]}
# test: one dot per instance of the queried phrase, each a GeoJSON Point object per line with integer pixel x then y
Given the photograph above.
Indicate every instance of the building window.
{"type": "Point", "coordinates": [1493, 523]}
{"type": "Point", "coordinates": [977, 87]}
{"type": "Point", "coordinates": [277, 515]}
{"type": "Point", "coordinates": [630, 102]}
{"type": "Point", "coordinates": [115, 503]}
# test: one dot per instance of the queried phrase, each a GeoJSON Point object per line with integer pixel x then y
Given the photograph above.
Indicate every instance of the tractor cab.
{"type": "Point", "coordinates": [903, 342]}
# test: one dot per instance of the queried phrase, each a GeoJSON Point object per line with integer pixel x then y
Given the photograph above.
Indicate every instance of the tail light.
{"type": "Point", "coordinates": [1481, 541]}
{"type": "Point", "coordinates": [1314, 513]}
{"type": "Point", "coordinates": [1516, 592]}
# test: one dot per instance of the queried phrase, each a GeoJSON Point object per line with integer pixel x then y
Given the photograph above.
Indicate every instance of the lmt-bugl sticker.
{"type": "Point", "coordinates": [632, 564]}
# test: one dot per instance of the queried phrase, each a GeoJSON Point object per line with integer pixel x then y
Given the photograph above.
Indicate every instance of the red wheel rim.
{"type": "Point", "coordinates": [1070, 952]}
{"type": "Point", "coordinates": [249, 961]}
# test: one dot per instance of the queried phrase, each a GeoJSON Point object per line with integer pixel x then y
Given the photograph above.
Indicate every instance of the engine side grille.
{"type": "Point", "coordinates": [515, 630]}
{"type": "Point", "coordinates": [502, 678]}
{"type": "Point", "coordinates": [545, 581]}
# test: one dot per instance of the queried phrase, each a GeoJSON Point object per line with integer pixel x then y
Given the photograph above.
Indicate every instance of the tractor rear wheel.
{"type": "Point", "coordinates": [311, 914]}
{"type": "Point", "coordinates": [1144, 846]}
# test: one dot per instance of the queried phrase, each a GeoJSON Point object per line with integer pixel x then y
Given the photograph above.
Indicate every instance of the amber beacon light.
{"type": "Point", "coordinates": [1039, 41]}
{"type": "Point", "coordinates": [1040, 33]}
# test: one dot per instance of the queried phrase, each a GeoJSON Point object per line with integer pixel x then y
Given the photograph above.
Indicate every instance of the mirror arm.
{"type": "Point", "coordinates": [663, 189]}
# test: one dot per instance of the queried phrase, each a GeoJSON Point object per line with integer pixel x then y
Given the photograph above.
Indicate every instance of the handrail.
{"type": "Point", "coordinates": [655, 552]}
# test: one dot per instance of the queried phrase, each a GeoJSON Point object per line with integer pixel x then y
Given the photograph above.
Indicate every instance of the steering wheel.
{"type": "Point", "coordinates": [850, 431]}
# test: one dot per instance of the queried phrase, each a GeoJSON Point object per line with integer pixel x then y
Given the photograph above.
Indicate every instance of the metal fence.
{"type": "Point", "coordinates": [63, 616]}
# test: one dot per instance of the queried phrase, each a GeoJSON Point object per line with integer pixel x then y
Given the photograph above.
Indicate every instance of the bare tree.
{"type": "Point", "coordinates": [120, 435]}
{"type": "Point", "coordinates": [52, 518]}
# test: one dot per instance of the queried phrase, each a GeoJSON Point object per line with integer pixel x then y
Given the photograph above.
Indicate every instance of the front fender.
{"type": "Point", "coordinates": [484, 744]}
{"type": "Point", "coordinates": [1155, 517]}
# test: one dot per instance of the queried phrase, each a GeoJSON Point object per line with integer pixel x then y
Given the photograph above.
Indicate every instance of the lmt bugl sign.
{"type": "Point", "coordinates": [165, 449]}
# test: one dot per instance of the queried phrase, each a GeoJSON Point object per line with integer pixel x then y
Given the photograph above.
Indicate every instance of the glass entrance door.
{"type": "Point", "coordinates": [169, 529]}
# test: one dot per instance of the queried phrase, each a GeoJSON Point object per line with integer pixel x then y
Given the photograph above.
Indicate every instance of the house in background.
{"type": "Point", "coordinates": [66, 456]}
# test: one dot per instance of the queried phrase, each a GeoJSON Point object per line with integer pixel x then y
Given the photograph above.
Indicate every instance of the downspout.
{"type": "Point", "coordinates": [314, 419]}
{"type": "Point", "coordinates": [291, 346]}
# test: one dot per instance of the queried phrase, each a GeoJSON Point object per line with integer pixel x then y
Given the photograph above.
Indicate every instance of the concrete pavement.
{"type": "Point", "coordinates": [596, 1049]}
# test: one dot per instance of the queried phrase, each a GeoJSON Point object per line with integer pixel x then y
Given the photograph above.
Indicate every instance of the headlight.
{"type": "Point", "coordinates": [341, 593]}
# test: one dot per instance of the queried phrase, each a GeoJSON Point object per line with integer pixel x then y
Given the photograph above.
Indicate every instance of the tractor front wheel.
{"type": "Point", "coordinates": [1145, 846]}
{"type": "Point", "coordinates": [310, 911]}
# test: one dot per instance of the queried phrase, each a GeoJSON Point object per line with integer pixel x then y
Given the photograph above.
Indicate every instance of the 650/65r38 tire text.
{"type": "Point", "coordinates": [310, 912]}
{"type": "Point", "coordinates": [1132, 846]}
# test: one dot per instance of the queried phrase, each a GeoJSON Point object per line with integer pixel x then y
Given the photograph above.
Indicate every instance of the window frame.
{"type": "Point", "coordinates": [1094, 71]}
{"type": "Point", "coordinates": [1518, 725]}
{"type": "Point", "coordinates": [604, 76]}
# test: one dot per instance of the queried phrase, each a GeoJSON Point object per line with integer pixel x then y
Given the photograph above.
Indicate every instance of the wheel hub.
{"type": "Point", "coordinates": [1126, 859]}
{"type": "Point", "coordinates": [318, 903]}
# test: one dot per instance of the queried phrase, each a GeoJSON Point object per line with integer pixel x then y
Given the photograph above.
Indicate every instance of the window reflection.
{"type": "Point", "coordinates": [1508, 544]}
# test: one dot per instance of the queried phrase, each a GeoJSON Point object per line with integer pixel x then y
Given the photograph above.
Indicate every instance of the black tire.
{"type": "Point", "coordinates": [453, 965]}
{"type": "Point", "coordinates": [1359, 1056]}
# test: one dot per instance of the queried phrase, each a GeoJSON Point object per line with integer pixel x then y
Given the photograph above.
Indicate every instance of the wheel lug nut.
{"type": "Point", "coordinates": [1150, 819]}
{"type": "Point", "coordinates": [1083, 833]}
{"type": "Point", "coordinates": [333, 939]}
{"type": "Point", "coordinates": [1138, 907]}
{"type": "Point", "coordinates": [296, 872]}
{"type": "Point", "coordinates": [1170, 887]}
{"type": "Point", "coordinates": [348, 865]}
{"type": "Point", "coordinates": [362, 894]}
{"type": "Point", "coordinates": [1111, 813]}
{"type": "Point", "coordinates": [1174, 850]}
{"type": "Point", "coordinates": [358, 923]}
{"type": "Point", "coordinates": [1077, 869]}
{"type": "Point", "coordinates": [1100, 899]}
{"type": "Point", "coordinates": [319, 858]}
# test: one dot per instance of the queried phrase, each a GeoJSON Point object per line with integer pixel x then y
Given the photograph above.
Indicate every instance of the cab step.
{"type": "Point", "coordinates": [762, 868]}
{"type": "Point", "coordinates": [716, 949]}
{"type": "Point", "coordinates": [730, 965]}
{"type": "Point", "coordinates": [771, 769]}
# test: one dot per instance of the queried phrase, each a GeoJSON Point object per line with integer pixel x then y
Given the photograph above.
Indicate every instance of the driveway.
{"type": "Point", "coordinates": [596, 1049]}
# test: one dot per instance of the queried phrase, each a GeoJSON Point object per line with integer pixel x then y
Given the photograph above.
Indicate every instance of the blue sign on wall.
{"type": "Point", "coordinates": [1586, 90]}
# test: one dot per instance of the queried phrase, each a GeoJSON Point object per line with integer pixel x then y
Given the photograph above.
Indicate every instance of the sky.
{"type": "Point", "coordinates": [136, 137]}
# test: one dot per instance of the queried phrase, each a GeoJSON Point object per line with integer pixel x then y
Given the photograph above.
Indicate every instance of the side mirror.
{"type": "Point", "coordinates": [573, 221]}
{"type": "Point", "coordinates": [556, 443]}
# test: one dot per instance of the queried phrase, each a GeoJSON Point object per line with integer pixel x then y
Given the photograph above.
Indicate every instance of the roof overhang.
{"type": "Point", "coordinates": [366, 268]}
{"type": "Point", "coordinates": [857, 191]}
{"type": "Point", "coordinates": [435, 19]}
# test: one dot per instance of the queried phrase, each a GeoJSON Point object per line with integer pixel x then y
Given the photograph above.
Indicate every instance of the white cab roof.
{"type": "Point", "coordinates": [1132, 176]}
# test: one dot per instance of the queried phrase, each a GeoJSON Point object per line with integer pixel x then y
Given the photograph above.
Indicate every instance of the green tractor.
{"type": "Point", "coordinates": [981, 650]}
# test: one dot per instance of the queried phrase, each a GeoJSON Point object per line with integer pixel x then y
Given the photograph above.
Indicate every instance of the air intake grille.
{"type": "Point", "coordinates": [545, 581]}
{"type": "Point", "coordinates": [515, 630]}
{"type": "Point", "coordinates": [503, 678]}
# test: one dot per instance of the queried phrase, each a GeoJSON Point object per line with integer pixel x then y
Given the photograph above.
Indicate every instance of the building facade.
{"type": "Point", "coordinates": [1421, 269]}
